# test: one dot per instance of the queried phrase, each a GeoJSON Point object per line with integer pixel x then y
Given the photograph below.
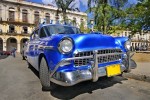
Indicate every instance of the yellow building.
{"type": "Point", "coordinates": [18, 18]}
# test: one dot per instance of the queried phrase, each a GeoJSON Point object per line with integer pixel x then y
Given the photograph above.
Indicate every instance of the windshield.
{"type": "Point", "coordinates": [57, 29]}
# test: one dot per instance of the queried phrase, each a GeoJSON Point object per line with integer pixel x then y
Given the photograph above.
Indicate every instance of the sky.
{"type": "Point", "coordinates": [81, 4]}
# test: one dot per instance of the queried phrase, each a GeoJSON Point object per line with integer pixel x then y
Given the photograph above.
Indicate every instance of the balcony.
{"type": "Point", "coordinates": [24, 20]}
{"type": "Point", "coordinates": [25, 33]}
{"type": "Point", "coordinates": [11, 19]}
{"type": "Point", "coordinates": [16, 22]}
{"type": "Point", "coordinates": [11, 32]}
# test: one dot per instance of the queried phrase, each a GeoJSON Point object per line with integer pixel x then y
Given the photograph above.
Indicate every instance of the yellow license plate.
{"type": "Point", "coordinates": [113, 70]}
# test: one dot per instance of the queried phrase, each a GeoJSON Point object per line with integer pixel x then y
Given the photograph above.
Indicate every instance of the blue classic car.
{"type": "Point", "coordinates": [65, 56]}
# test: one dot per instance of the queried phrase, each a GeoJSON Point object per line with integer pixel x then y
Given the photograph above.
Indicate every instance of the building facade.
{"type": "Point", "coordinates": [18, 18]}
{"type": "Point", "coordinates": [138, 39]}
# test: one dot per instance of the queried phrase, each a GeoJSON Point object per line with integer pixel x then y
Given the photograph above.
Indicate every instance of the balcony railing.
{"type": "Point", "coordinates": [25, 33]}
{"type": "Point", "coordinates": [25, 20]}
{"type": "Point", "coordinates": [11, 32]}
{"type": "Point", "coordinates": [11, 19]}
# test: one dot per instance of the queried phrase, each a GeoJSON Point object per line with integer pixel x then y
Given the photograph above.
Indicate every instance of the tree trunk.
{"type": "Point", "coordinates": [64, 16]}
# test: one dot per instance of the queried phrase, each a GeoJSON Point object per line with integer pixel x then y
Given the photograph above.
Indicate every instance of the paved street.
{"type": "Point", "coordinates": [3, 56]}
{"type": "Point", "coordinates": [18, 82]}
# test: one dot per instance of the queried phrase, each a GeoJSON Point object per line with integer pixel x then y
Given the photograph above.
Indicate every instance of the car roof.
{"type": "Point", "coordinates": [55, 25]}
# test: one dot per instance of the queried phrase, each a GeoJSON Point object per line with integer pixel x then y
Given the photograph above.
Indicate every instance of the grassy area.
{"type": "Point", "coordinates": [141, 57]}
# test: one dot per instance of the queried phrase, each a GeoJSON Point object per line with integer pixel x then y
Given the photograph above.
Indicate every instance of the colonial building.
{"type": "Point", "coordinates": [18, 18]}
{"type": "Point", "coordinates": [138, 39]}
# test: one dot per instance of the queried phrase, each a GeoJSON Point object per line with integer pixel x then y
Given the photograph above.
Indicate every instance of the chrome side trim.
{"type": "Point", "coordinates": [41, 47]}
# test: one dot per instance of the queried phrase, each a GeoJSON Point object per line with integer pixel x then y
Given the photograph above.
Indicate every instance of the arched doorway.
{"type": "Point", "coordinates": [1, 44]}
{"type": "Point", "coordinates": [24, 40]}
{"type": "Point", "coordinates": [11, 44]}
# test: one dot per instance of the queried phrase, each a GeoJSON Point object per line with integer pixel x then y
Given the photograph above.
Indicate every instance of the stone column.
{"type": "Point", "coordinates": [18, 46]}
{"type": "Point", "coordinates": [4, 45]}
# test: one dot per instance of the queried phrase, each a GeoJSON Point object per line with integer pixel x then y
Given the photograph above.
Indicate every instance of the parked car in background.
{"type": "Point", "coordinates": [1, 53]}
{"type": "Point", "coordinates": [65, 56]}
{"type": "Point", "coordinates": [6, 52]}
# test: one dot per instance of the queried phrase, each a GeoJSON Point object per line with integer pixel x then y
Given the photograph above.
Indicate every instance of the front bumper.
{"type": "Point", "coordinates": [73, 77]}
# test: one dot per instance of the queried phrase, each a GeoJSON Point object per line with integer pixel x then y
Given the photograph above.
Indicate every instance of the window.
{"type": "Point", "coordinates": [13, 41]}
{"type": "Point", "coordinates": [36, 34]}
{"type": "Point", "coordinates": [11, 28]}
{"type": "Point", "coordinates": [74, 21]}
{"type": "Point", "coordinates": [47, 16]}
{"type": "Point", "coordinates": [81, 20]}
{"type": "Point", "coordinates": [11, 14]}
{"type": "Point", "coordinates": [25, 29]}
{"type": "Point", "coordinates": [56, 29]}
{"type": "Point", "coordinates": [125, 33]}
{"type": "Point", "coordinates": [32, 36]}
{"type": "Point", "coordinates": [0, 12]}
{"type": "Point", "coordinates": [36, 17]}
{"type": "Point", "coordinates": [24, 15]}
{"type": "Point", "coordinates": [42, 33]}
{"type": "Point", "coordinates": [57, 19]}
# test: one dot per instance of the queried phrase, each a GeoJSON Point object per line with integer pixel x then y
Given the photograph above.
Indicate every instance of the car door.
{"type": "Point", "coordinates": [40, 42]}
{"type": "Point", "coordinates": [30, 49]}
{"type": "Point", "coordinates": [36, 51]}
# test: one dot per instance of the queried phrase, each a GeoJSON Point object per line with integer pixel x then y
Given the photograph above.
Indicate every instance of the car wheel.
{"type": "Point", "coordinates": [23, 57]}
{"type": "Point", "coordinates": [29, 65]}
{"type": "Point", "coordinates": [44, 75]}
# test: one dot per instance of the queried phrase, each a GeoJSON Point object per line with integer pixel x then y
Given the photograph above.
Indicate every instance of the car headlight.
{"type": "Point", "coordinates": [65, 45]}
{"type": "Point", "coordinates": [128, 45]}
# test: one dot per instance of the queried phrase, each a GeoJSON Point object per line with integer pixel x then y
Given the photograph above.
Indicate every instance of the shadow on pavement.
{"type": "Point", "coordinates": [3, 56]}
{"type": "Point", "coordinates": [34, 71]}
{"type": "Point", "coordinates": [66, 93]}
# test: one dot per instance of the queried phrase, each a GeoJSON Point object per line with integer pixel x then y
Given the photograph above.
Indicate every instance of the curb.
{"type": "Point", "coordinates": [137, 77]}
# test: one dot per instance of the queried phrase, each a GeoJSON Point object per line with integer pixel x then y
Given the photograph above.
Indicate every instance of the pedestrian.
{"type": "Point", "coordinates": [14, 52]}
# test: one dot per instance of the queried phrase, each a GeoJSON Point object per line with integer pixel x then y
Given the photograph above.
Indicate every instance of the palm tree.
{"type": "Point", "coordinates": [106, 12]}
{"type": "Point", "coordinates": [63, 6]}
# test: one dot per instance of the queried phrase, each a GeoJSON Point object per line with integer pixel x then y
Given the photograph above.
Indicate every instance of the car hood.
{"type": "Point", "coordinates": [93, 41]}
{"type": "Point", "coordinates": [88, 42]}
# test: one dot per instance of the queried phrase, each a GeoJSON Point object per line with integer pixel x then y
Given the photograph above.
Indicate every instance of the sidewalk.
{"type": "Point", "coordinates": [142, 72]}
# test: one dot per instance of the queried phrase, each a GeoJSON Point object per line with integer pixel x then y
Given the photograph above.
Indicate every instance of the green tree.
{"type": "Point", "coordinates": [82, 28]}
{"type": "Point", "coordinates": [136, 18]}
{"type": "Point", "coordinates": [63, 6]}
{"type": "Point", "coordinates": [106, 13]}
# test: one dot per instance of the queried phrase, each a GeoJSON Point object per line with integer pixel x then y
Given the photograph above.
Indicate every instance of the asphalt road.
{"type": "Point", "coordinates": [3, 56]}
{"type": "Point", "coordinates": [18, 82]}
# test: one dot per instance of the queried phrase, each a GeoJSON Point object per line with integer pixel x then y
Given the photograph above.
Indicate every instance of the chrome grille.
{"type": "Point", "coordinates": [101, 59]}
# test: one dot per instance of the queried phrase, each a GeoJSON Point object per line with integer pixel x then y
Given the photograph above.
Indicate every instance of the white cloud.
{"type": "Point", "coordinates": [84, 2]}
{"type": "Point", "coordinates": [47, 1]}
{"type": "Point", "coordinates": [76, 3]}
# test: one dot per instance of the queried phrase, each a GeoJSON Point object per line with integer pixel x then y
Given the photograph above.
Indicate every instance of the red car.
{"type": "Point", "coordinates": [7, 52]}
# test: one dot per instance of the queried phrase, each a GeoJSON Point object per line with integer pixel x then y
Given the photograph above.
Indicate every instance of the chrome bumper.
{"type": "Point", "coordinates": [74, 77]}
